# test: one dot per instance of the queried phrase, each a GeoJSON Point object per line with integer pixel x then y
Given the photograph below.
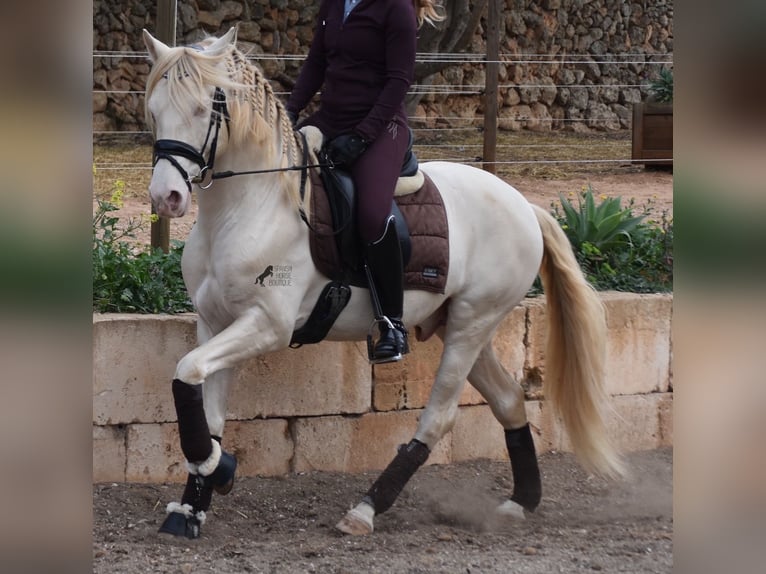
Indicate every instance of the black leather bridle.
{"type": "Point", "coordinates": [169, 149]}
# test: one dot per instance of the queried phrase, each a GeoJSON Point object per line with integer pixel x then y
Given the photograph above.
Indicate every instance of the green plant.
{"type": "Point", "coordinates": [662, 87]}
{"type": "Point", "coordinates": [602, 227]}
{"type": "Point", "coordinates": [616, 249]}
{"type": "Point", "coordinates": [130, 279]}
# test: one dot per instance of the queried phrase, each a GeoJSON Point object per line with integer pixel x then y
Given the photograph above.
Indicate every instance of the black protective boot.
{"type": "Point", "coordinates": [385, 268]}
{"type": "Point", "coordinates": [222, 478]}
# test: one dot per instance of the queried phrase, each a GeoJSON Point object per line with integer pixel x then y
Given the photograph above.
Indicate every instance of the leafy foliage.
{"type": "Point", "coordinates": [131, 280]}
{"type": "Point", "coordinates": [662, 87]}
{"type": "Point", "coordinates": [603, 227]}
{"type": "Point", "coordinates": [616, 249]}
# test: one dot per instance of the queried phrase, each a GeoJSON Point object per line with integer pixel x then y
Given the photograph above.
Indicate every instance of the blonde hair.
{"type": "Point", "coordinates": [428, 11]}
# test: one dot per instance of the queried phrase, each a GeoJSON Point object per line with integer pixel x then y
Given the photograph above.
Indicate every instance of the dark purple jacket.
{"type": "Point", "coordinates": [364, 66]}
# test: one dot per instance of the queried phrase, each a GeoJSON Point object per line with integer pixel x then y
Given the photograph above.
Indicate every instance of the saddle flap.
{"type": "Point", "coordinates": [339, 187]}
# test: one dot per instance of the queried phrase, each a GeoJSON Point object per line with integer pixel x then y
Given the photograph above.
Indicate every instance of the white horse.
{"type": "Point", "coordinates": [207, 104]}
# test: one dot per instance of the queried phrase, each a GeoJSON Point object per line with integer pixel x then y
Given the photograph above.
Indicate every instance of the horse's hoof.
{"type": "Point", "coordinates": [511, 509]}
{"type": "Point", "coordinates": [222, 478]}
{"type": "Point", "coordinates": [358, 521]}
{"type": "Point", "coordinates": [219, 477]}
{"type": "Point", "coordinates": [179, 525]}
{"type": "Point", "coordinates": [182, 521]}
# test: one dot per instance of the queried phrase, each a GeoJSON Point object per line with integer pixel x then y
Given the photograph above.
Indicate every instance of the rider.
{"type": "Point", "coordinates": [362, 57]}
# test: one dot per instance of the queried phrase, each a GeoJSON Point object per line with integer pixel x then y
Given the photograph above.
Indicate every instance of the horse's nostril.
{"type": "Point", "coordinates": [174, 199]}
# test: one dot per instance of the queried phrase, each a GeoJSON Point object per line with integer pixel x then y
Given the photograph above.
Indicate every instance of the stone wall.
{"type": "Point", "coordinates": [322, 407]}
{"type": "Point", "coordinates": [601, 53]}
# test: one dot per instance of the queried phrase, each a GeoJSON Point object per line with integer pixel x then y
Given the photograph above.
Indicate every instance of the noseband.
{"type": "Point", "coordinates": [169, 149]}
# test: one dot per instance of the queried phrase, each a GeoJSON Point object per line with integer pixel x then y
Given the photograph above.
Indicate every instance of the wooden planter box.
{"type": "Point", "coordinates": [653, 134]}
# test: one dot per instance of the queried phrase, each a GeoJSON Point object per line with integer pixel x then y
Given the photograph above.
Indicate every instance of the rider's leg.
{"type": "Point", "coordinates": [383, 260]}
{"type": "Point", "coordinates": [375, 175]}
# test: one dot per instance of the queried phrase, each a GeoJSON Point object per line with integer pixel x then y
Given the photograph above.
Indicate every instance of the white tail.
{"type": "Point", "coordinates": [575, 351]}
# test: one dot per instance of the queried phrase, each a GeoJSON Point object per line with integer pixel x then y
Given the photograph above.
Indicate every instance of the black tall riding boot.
{"type": "Point", "coordinates": [384, 267]}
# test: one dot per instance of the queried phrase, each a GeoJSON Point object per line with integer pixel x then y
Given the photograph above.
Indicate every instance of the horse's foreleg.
{"type": "Point", "coordinates": [201, 409]}
{"type": "Point", "coordinates": [437, 419]}
{"type": "Point", "coordinates": [506, 399]}
{"type": "Point", "coordinates": [210, 467]}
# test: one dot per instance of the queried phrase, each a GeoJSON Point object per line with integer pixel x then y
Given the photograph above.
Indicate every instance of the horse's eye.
{"type": "Point", "coordinates": [199, 110]}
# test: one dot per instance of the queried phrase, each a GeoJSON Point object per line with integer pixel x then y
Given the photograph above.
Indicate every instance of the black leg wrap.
{"type": "Point", "coordinates": [192, 424]}
{"type": "Point", "coordinates": [383, 493]}
{"type": "Point", "coordinates": [527, 489]}
{"type": "Point", "coordinates": [197, 493]}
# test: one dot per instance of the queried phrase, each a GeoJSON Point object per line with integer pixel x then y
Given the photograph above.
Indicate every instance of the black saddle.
{"type": "Point", "coordinates": [341, 195]}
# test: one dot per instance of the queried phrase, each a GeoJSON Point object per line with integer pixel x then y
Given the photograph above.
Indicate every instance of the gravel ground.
{"type": "Point", "coordinates": [442, 522]}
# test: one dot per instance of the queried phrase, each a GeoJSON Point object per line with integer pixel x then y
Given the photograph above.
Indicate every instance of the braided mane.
{"type": "Point", "coordinates": [257, 115]}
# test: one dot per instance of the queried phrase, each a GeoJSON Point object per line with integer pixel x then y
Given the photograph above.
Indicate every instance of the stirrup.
{"type": "Point", "coordinates": [400, 341]}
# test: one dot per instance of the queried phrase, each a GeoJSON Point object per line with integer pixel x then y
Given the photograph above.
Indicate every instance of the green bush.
{"type": "Point", "coordinates": [127, 279]}
{"type": "Point", "coordinates": [617, 249]}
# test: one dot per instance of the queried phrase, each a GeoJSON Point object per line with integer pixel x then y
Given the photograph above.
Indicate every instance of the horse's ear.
{"type": "Point", "coordinates": [155, 48]}
{"type": "Point", "coordinates": [223, 43]}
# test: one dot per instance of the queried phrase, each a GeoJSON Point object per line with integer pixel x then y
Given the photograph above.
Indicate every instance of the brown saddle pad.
{"type": "Point", "coordinates": [429, 234]}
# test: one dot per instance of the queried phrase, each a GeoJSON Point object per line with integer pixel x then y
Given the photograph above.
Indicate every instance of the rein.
{"type": "Point", "coordinates": [303, 167]}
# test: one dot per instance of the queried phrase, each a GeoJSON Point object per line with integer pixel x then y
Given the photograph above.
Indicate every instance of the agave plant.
{"type": "Point", "coordinates": [603, 226]}
{"type": "Point", "coordinates": [662, 87]}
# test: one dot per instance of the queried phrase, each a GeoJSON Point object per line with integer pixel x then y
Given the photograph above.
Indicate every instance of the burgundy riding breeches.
{"type": "Point", "coordinates": [375, 174]}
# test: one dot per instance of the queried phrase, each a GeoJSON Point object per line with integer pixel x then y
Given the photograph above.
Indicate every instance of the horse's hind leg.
{"type": "Point", "coordinates": [460, 351]}
{"type": "Point", "coordinates": [506, 400]}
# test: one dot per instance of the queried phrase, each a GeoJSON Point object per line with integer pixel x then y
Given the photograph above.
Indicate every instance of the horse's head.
{"type": "Point", "coordinates": [186, 111]}
{"type": "Point", "coordinates": [196, 94]}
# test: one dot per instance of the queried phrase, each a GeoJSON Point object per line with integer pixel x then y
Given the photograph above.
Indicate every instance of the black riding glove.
{"type": "Point", "coordinates": [345, 149]}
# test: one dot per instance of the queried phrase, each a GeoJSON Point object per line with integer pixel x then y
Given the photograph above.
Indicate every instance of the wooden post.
{"type": "Point", "coordinates": [490, 89]}
{"type": "Point", "coordinates": [166, 32]}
